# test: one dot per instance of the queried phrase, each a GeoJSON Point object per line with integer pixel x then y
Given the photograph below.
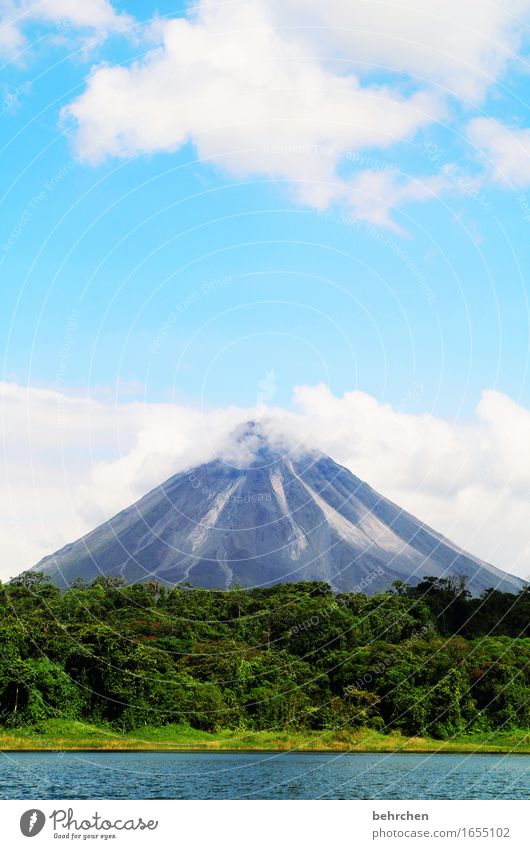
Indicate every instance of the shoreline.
{"type": "Point", "coordinates": [207, 751]}
{"type": "Point", "coordinates": [72, 736]}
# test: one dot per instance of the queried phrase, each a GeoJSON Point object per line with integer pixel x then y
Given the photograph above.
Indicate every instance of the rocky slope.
{"type": "Point", "coordinates": [284, 517]}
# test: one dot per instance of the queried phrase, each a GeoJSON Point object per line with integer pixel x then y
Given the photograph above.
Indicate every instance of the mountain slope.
{"type": "Point", "coordinates": [281, 518]}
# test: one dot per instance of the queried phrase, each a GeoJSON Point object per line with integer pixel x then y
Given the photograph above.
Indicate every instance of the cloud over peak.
{"type": "Point", "coordinates": [69, 463]}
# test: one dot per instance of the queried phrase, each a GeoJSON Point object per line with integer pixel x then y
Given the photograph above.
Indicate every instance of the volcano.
{"type": "Point", "coordinates": [282, 517]}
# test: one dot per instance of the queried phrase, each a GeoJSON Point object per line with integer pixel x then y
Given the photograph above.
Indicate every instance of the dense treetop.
{"type": "Point", "coordinates": [426, 660]}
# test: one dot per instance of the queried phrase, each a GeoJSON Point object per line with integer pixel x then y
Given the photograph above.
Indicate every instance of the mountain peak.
{"type": "Point", "coordinates": [250, 446]}
{"type": "Point", "coordinates": [268, 513]}
{"type": "Point", "coordinates": [249, 430]}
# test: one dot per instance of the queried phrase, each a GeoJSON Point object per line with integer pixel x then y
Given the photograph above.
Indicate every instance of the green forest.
{"type": "Point", "coordinates": [425, 660]}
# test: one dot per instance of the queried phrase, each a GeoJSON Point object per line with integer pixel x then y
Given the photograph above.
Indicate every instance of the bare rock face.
{"type": "Point", "coordinates": [282, 517]}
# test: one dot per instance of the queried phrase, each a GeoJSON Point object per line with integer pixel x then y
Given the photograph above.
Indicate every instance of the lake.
{"type": "Point", "coordinates": [252, 775]}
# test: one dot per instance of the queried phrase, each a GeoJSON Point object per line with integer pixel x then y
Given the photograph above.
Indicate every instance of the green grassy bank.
{"type": "Point", "coordinates": [60, 735]}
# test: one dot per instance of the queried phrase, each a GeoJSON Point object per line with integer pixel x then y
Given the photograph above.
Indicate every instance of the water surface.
{"type": "Point", "coordinates": [285, 775]}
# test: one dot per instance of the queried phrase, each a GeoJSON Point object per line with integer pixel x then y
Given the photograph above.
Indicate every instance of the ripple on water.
{"type": "Point", "coordinates": [146, 775]}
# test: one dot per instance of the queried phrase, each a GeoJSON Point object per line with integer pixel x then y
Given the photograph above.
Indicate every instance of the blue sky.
{"type": "Point", "coordinates": [207, 207]}
{"type": "Point", "coordinates": [314, 294]}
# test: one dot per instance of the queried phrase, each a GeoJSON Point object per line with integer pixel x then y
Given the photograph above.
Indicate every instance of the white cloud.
{"type": "Point", "coordinates": [373, 196]}
{"type": "Point", "coordinates": [11, 38]}
{"type": "Point", "coordinates": [464, 47]}
{"type": "Point", "coordinates": [96, 16]}
{"type": "Point", "coordinates": [287, 90]}
{"type": "Point", "coordinates": [69, 463]}
{"type": "Point", "coordinates": [255, 100]}
{"type": "Point", "coordinates": [290, 89]}
{"type": "Point", "coordinates": [505, 150]}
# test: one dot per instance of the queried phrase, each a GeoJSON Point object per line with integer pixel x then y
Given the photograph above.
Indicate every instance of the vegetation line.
{"type": "Point", "coordinates": [289, 667]}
